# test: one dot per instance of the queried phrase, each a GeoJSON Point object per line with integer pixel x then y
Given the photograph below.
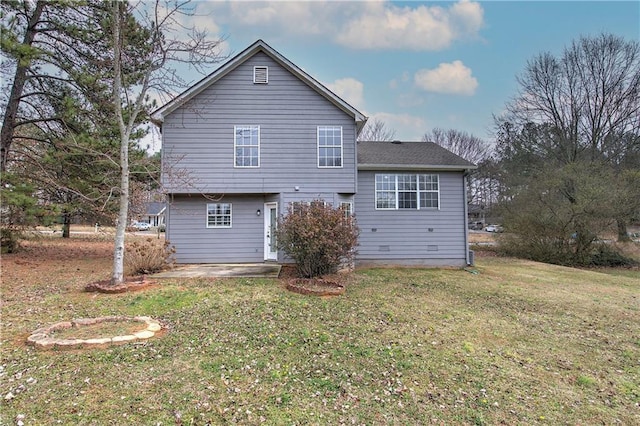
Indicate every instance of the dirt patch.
{"type": "Point", "coordinates": [73, 262]}
{"type": "Point", "coordinates": [54, 265]}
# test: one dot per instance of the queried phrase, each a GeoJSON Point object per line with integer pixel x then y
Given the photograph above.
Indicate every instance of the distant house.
{"type": "Point", "coordinates": [154, 214]}
{"type": "Point", "coordinates": [259, 133]}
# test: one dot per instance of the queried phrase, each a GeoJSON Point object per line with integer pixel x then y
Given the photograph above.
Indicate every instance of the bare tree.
{"type": "Point", "coordinates": [481, 182]}
{"type": "Point", "coordinates": [376, 131]}
{"type": "Point", "coordinates": [467, 146]}
{"type": "Point", "coordinates": [588, 94]}
{"type": "Point", "coordinates": [167, 42]}
{"type": "Point", "coordinates": [584, 106]}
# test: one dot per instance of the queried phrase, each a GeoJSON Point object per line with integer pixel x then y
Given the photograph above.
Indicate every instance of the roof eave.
{"type": "Point", "coordinates": [431, 167]}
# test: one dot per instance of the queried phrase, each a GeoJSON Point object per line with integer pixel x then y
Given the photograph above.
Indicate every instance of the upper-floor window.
{"type": "Point", "coordinates": [219, 215]}
{"type": "Point", "coordinates": [407, 191]}
{"type": "Point", "coordinates": [329, 146]}
{"type": "Point", "coordinates": [247, 146]}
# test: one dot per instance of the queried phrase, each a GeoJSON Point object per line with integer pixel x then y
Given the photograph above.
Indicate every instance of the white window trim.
{"type": "Point", "coordinates": [266, 74]}
{"type": "Point", "coordinates": [219, 226]}
{"type": "Point", "coordinates": [235, 146]}
{"type": "Point", "coordinates": [437, 191]}
{"type": "Point", "coordinates": [350, 204]}
{"type": "Point", "coordinates": [418, 191]}
{"type": "Point", "coordinates": [375, 198]}
{"type": "Point", "coordinates": [330, 146]}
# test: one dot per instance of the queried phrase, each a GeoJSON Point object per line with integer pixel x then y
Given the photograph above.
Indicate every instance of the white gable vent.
{"type": "Point", "coordinates": [261, 75]}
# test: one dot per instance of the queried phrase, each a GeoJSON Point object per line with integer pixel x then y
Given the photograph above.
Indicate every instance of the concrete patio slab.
{"type": "Point", "coordinates": [212, 270]}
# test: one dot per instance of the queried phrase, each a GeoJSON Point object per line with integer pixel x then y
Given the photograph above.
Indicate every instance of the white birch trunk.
{"type": "Point", "coordinates": [118, 254]}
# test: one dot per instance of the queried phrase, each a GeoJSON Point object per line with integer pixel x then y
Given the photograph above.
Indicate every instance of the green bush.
{"type": "Point", "coordinates": [539, 248]}
{"type": "Point", "coordinates": [607, 256]}
{"type": "Point", "coordinates": [317, 237]}
{"type": "Point", "coordinates": [563, 252]}
{"type": "Point", "coordinates": [148, 256]}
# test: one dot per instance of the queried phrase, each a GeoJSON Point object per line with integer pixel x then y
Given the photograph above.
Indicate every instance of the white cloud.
{"type": "Point", "coordinates": [467, 18]}
{"type": "Point", "coordinates": [277, 18]}
{"type": "Point", "coordinates": [374, 24]}
{"type": "Point", "coordinates": [454, 78]}
{"type": "Point", "coordinates": [385, 26]}
{"type": "Point", "coordinates": [349, 89]}
{"type": "Point", "coordinates": [407, 127]}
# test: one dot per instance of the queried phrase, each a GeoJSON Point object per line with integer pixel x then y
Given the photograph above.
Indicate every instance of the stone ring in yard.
{"type": "Point", "coordinates": [71, 334]}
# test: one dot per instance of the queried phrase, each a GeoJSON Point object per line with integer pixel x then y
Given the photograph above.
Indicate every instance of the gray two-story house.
{"type": "Point", "coordinates": [259, 133]}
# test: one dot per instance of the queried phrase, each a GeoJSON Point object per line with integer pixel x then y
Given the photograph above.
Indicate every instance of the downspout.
{"type": "Point", "coordinates": [466, 217]}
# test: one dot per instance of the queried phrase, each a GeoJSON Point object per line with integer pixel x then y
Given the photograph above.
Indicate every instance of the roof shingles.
{"type": "Point", "coordinates": [408, 155]}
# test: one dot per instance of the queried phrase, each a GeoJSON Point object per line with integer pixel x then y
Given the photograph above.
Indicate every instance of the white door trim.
{"type": "Point", "coordinates": [269, 209]}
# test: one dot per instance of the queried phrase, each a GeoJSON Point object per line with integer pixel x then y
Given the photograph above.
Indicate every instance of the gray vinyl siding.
{"type": "Point", "coordinates": [419, 237]}
{"type": "Point", "coordinates": [195, 243]}
{"type": "Point", "coordinates": [244, 242]}
{"type": "Point", "coordinates": [198, 138]}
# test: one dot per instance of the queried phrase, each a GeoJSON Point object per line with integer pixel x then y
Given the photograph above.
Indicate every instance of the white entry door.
{"type": "Point", "coordinates": [270, 226]}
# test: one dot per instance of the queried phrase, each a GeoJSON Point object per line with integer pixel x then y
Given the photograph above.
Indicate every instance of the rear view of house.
{"type": "Point", "coordinates": [259, 133]}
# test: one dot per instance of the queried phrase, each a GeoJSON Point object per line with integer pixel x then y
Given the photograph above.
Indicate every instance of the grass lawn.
{"type": "Point", "coordinates": [517, 342]}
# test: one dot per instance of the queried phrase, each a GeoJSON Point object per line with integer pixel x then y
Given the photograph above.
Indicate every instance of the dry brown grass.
{"type": "Point", "coordinates": [481, 237]}
{"type": "Point", "coordinates": [510, 342]}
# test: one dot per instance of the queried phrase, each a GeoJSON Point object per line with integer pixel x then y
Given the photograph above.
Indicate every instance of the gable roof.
{"type": "Point", "coordinates": [155, 208]}
{"type": "Point", "coordinates": [408, 156]}
{"type": "Point", "coordinates": [259, 46]}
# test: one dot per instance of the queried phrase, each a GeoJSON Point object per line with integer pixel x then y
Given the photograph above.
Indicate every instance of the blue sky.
{"type": "Point", "coordinates": [417, 65]}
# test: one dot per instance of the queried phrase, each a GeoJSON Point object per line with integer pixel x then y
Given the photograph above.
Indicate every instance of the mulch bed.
{"type": "Point", "coordinates": [129, 284]}
{"type": "Point", "coordinates": [315, 287]}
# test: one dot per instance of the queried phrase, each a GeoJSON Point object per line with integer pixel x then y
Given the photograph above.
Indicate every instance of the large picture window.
{"type": "Point", "coordinates": [329, 146]}
{"type": "Point", "coordinates": [247, 146]}
{"type": "Point", "coordinates": [407, 191]}
{"type": "Point", "coordinates": [219, 215]}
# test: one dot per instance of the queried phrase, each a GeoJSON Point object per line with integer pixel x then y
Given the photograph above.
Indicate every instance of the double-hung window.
{"type": "Point", "coordinates": [407, 191]}
{"type": "Point", "coordinates": [246, 141]}
{"type": "Point", "coordinates": [329, 146]}
{"type": "Point", "coordinates": [407, 194]}
{"type": "Point", "coordinates": [386, 191]}
{"type": "Point", "coordinates": [219, 215]}
{"type": "Point", "coordinates": [429, 191]}
{"type": "Point", "coordinates": [347, 208]}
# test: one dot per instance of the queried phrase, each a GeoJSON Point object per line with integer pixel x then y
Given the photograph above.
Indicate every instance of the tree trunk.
{"type": "Point", "coordinates": [66, 224]}
{"type": "Point", "coordinates": [623, 236]}
{"type": "Point", "coordinates": [118, 255]}
{"type": "Point", "coordinates": [19, 80]}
